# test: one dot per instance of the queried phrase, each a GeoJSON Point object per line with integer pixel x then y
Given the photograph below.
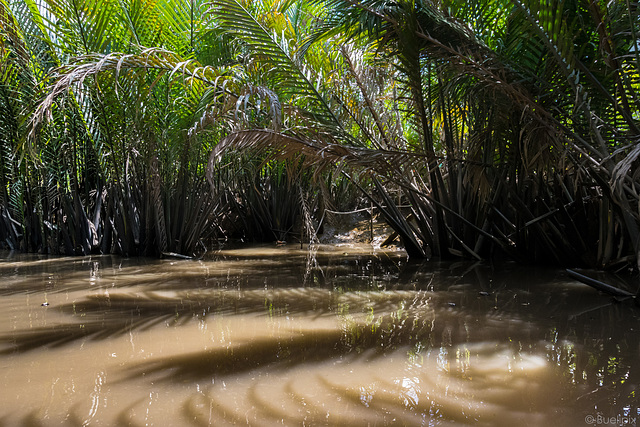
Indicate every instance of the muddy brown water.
{"type": "Point", "coordinates": [334, 336]}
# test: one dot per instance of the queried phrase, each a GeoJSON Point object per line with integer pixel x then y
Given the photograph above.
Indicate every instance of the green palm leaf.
{"type": "Point", "coordinates": [161, 62]}
{"type": "Point", "coordinates": [294, 85]}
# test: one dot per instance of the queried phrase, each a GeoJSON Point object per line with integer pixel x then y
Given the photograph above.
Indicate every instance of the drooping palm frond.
{"type": "Point", "coordinates": [293, 83]}
{"type": "Point", "coordinates": [523, 134]}
{"type": "Point", "coordinates": [510, 122]}
{"type": "Point", "coordinates": [19, 78]}
{"type": "Point", "coordinates": [321, 152]}
{"type": "Point", "coordinates": [158, 60]}
{"type": "Point", "coordinates": [422, 26]}
{"type": "Point", "coordinates": [125, 139]}
{"type": "Point", "coordinates": [325, 153]}
{"type": "Point", "coordinates": [591, 80]}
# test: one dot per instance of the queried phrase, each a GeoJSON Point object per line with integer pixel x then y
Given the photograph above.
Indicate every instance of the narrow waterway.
{"type": "Point", "coordinates": [278, 336]}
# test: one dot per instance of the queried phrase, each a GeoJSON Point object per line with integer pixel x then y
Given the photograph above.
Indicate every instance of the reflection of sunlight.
{"type": "Point", "coordinates": [443, 359]}
{"type": "Point", "coordinates": [392, 389]}
{"type": "Point", "coordinates": [366, 394]}
{"type": "Point", "coordinates": [96, 397]}
{"type": "Point", "coordinates": [255, 341]}
{"type": "Point", "coordinates": [411, 390]}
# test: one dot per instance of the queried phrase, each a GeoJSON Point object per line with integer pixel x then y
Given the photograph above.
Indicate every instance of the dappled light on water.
{"type": "Point", "coordinates": [280, 336]}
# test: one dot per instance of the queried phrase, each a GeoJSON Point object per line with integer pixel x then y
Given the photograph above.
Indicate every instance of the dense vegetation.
{"type": "Point", "coordinates": [509, 128]}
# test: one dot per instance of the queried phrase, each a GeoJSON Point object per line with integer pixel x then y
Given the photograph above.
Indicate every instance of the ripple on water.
{"type": "Point", "coordinates": [333, 341]}
{"type": "Point", "coordinates": [493, 389]}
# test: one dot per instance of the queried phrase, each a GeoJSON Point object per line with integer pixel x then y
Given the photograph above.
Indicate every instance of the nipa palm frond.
{"type": "Point", "coordinates": [160, 61]}
{"type": "Point", "coordinates": [320, 152]}
{"type": "Point", "coordinates": [288, 76]}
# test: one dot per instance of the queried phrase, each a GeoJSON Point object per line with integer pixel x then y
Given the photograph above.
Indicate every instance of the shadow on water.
{"type": "Point", "coordinates": [369, 311]}
{"type": "Point", "coordinates": [24, 274]}
{"type": "Point", "coordinates": [372, 324]}
{"type": "Point", "coordinates": [280, 353]}
{"type": "Point", "coordinates": [105, 315]}
{"type": "Point", "coordinates": [28, 274]}
{"type": "Point", "coordinates": [195, 290]}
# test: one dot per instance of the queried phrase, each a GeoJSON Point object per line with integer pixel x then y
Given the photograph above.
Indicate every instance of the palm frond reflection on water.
{"type": "Point", "coordinates": [354, 343]}
{"type": "Point", "coordinates": [383, 391]}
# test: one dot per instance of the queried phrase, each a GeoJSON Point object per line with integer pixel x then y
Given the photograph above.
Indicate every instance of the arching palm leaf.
{"type": "Point", "coordinates": [293, 84]}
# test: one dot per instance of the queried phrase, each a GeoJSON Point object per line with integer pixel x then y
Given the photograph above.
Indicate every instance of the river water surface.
{"type": "Point", "coordinates": [278, 336]}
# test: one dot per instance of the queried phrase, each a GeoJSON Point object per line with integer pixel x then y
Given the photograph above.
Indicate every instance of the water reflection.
{"type": "Point", "coordinates": [270, 336]}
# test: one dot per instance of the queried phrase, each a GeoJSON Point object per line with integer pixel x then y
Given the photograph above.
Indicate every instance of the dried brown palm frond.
{"type": "Point", "coordinates": [399, 167]}
{"type": "Point", "coordinates": [319, 151]}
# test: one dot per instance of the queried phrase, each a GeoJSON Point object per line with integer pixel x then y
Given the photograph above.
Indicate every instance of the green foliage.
{"type": "Point", "coordinates": [510, 128]}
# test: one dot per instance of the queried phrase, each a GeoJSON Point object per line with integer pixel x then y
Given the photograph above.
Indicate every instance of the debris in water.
{"type": "Point", "coordinates": [175, 255]}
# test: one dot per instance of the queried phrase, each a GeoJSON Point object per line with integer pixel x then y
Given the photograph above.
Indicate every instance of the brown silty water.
{"type": "Point", "coordinates": [278, 336]}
